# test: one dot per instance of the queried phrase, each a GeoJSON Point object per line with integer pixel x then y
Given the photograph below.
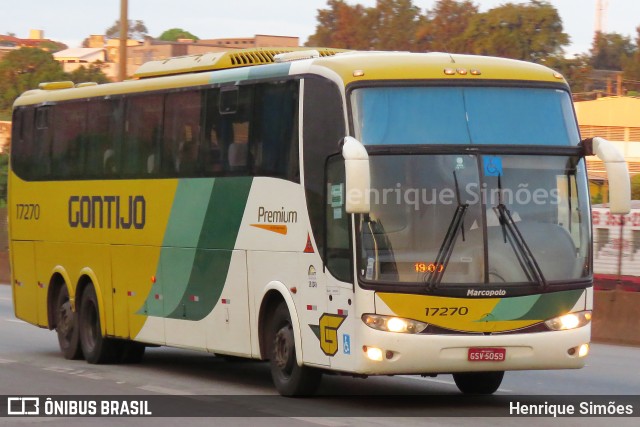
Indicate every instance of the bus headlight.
{"type": "Point", "coordinates": [393, 324]}
{"type": "Point", "coordinates": [569, 321]}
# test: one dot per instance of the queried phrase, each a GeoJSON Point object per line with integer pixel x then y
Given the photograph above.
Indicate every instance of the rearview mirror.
{"type": "Point", "coordinates": [617, 173]}
{"type": "Point", "coordinates": [357, 176]}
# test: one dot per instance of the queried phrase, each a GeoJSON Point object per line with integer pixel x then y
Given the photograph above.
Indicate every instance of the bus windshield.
{"type": "Point", "coordinates": [439, 219]}
{"type": "Point", "coordinates": [463, 115]}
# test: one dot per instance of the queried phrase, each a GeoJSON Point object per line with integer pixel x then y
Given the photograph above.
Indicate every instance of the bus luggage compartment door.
{"type": "Point", "coordinates": [25, 286]}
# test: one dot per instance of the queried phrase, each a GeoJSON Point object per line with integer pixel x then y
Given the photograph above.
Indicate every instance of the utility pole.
{"type": "Point", "coordinates": [601, 15]}
{"type": "Point", "coordinates": [124, 36]}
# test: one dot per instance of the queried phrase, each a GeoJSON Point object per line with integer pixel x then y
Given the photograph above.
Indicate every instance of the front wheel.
{"type": "Point", "coordinates": [67, 326]}
{"type": "Point", "coordinates": [478, 382]}
{"type": "Point", "coordinates": [289, 378]}
{"type": "Point", "coordinates": [96, 348]}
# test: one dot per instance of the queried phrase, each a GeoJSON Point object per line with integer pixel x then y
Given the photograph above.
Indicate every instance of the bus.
{"type": "Point", "coordinates": [359, 213]}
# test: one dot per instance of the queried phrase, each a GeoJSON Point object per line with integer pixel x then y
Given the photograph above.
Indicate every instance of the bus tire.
{"type": "Point", "coordinates": [289, 378]}
{"type": "Point", "coordinates": [96, 348]}
{"type": "Point", "coordinates": [478, 382]}
{"type": "Point", "coordinates": [67, 326]}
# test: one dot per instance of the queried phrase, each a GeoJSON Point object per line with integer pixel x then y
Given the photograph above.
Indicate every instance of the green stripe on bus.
{"type": "Point", "coordinates": [513, 308]}
{"type": "Point", "coordinates": [553, 304]}
{"type": "Point", "coordinates": [535, 307]}
{"type": "Point", "coordinates": [189, 208]}
{"type": "Point", "coordinates": [218, 236]}
{"type": "Point", "coordinates": [194, 261]}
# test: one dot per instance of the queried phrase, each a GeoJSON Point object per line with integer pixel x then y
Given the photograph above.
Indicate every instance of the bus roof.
{"type": "Point", "coordinates": [350, 66]}
{"type": "Point", "coordinates": [219, 61]}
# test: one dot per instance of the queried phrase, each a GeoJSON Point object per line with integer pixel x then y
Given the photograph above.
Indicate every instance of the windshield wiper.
{"type": "Point", "coordinates": [456, 226]}
{"type": "Point", "coordinates": [512, 234]}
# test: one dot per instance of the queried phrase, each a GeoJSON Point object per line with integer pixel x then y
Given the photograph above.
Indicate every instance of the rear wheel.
{"type": "Point", "coordinates": [478, 382]}
{"type": "Point", "coordinates": [96, 348]}
{"type": "Point", "coordinates": [67, 326]}
{"type": "Point", "coordinates": [289, 378]}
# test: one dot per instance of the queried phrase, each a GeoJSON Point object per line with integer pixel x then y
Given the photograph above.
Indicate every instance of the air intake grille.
{"type": "Point", "coordinates": [264, 56]}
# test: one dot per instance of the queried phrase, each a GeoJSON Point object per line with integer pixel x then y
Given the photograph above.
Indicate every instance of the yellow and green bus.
{"type": "Point", "coordinates": [364, 213]}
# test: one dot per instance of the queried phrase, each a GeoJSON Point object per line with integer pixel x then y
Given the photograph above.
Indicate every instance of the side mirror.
{"type": "Point", "coordinates": [357, 176]}
{"type": "Point", "coordinates": [617, 173]}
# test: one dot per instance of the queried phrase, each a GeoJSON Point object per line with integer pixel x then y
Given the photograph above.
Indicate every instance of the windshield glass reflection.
{"type": "Point", "coordinates": [461, 219]}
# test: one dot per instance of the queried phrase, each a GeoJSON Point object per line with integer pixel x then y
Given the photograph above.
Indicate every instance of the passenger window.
{"type": "Point", "coordinates": [182, 134]}
{"type": "Point", "coordinates": [143, 130]}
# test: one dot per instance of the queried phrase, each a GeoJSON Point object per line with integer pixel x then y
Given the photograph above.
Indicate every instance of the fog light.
{"type": "Point", "coordinates": [373, 353]}
{"type": "Point", "coordinates": [583, 350]}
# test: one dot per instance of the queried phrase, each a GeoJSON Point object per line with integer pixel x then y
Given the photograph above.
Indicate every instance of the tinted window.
{"type": "Point", "coordinates": [323, 130]}
{"type": "Point", "coordinates": [68, 148]}
{"type": "Point", "coordinates": [464, 115]}
{"type": "Point", "coordinates": [182, 118]}
{"type": "Point", "coordinates": [238, 130]}
{"type": "Point", "coordinates": [143, 131]}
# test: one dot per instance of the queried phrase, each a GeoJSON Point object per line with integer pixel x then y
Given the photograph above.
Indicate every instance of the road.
{"type": "Point", "coordinates": [30, 364]}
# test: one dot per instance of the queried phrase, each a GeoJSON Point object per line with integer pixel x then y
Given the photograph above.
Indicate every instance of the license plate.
{"type": "Point", "coordinates": [486, 354]}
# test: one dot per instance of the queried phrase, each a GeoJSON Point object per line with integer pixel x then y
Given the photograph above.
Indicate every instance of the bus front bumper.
{"type": "Point", "coordinates": [427, 354]}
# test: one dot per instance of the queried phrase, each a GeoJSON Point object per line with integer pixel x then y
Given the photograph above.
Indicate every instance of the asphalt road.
{"type": "Point", "coordinates": [30, 364]}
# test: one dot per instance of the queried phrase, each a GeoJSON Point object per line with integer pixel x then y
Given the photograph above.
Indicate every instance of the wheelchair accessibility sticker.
{"type": "Point", "coordinates": [346, 344]}
{"type": "Point", "coordinates": [492, 165]}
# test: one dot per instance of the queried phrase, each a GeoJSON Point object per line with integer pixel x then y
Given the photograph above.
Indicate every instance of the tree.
{"type": "Point", "coordinates": [24, 69]}
{"type": "Point", "coordinates": [530, 32]}
{"type": "Point", "coordinates": [91, 73]}
{"type": "Point", "coordinates": [174, 34]}
{"type": "Point", "coordinates": [394, 25]}
{"type": "Point", "coordinates": [631, 67]}
{"type": "Point", "coordinates": [610, 51]}
{"type": "Point", "coordinates": [443, 26]}
{"type": "Point", "coordinates": [137, 30]}
{"type": "Point", "coordinates": [341, 26]}
{"type": "Point", "coordinates": [576, 70]}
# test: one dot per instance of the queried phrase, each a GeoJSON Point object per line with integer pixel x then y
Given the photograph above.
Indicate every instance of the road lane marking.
{"type": "Point", "coordinates": [6, 299]}
{"type": "Point", "coordinates": [78, 372]}
{"type": "Point", "coordinates": [7, 361]}
{"type": "Point", "coordinates": [165, 390]}
{"type": "Point", "coordinates": [15, 320]}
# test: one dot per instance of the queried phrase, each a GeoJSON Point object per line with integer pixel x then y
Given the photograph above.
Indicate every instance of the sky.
{"type": "Point", "coordinates": [71, 21]}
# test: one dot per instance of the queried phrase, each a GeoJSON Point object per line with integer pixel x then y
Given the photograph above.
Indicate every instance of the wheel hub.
{"type": "Point", "coordinates": [283, 348]}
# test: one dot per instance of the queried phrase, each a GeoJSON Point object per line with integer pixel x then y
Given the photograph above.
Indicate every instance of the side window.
{"type": "Point", "coordinates": [274, 136]}
{"type": "Point", "coordinates": [143, 131]}
{"type": "Point", "coordinates": [215, 138]}
{"type": "Point", "coordinates": [68, 147]}
{"type": "Point", "coordinates": [324, 128]}
{"type": "Point", "coordinates": [41, 153]}
{"type": "Point", "coordinates": [338, 248]}
{"type": "Point", "coordinates": [104, 125]}
{"type": "Point", "coordinates": [236, 124]}
{"type": "Point", "coordinates": [182, 134]}
{"type": "Point", "coordinates": [22, 142]}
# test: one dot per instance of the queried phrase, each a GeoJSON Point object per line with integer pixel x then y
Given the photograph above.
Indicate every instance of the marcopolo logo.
{"type": "Point", "coordinates": [486, 293]}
